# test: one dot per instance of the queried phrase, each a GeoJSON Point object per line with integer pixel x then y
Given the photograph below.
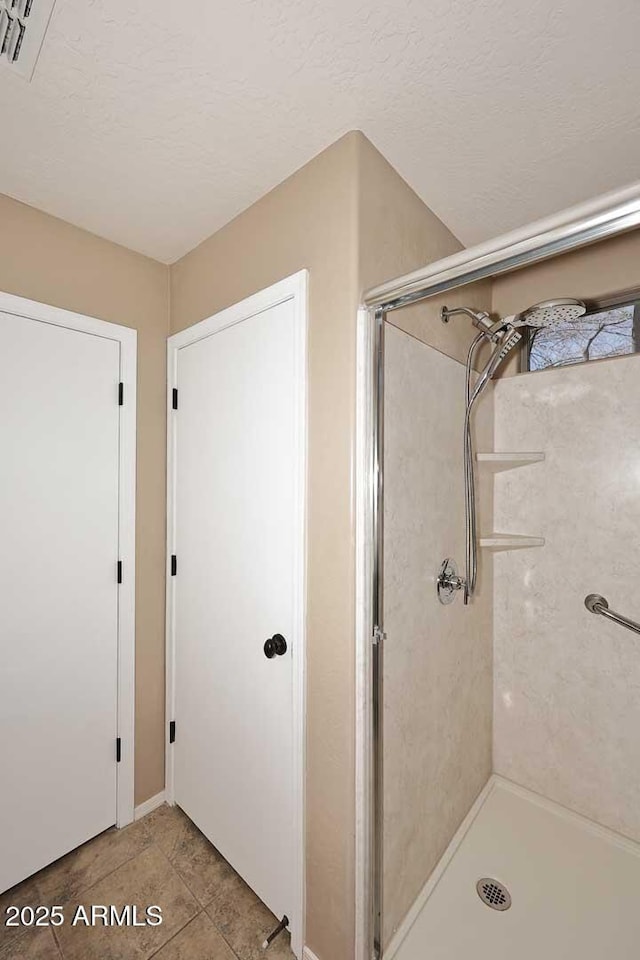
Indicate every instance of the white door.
{"type": "Point", "coordinates": [238, 534]}
{"type": "Point", "coordinates": [58, 591]}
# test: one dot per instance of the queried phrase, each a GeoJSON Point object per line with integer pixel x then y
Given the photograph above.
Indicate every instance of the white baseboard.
{"type": "Point", "coordinates": [308, 955]}
{"type": "Point", "coordinates": [151, 804]}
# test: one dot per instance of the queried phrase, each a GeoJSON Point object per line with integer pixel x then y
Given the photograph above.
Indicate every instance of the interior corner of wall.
{"type": "Point", "coordinates": [169, 304]}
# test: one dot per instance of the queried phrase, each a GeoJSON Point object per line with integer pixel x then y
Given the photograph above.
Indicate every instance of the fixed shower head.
{"type": "Point", "coordinates": [550, 313]}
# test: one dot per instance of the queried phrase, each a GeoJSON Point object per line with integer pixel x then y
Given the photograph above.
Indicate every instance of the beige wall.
{"type": "Point", "coordinates": [397, 234]}
{"type": "Point", "coordinates": [612, 266]}
{"type": "Point", "coordinates": [309, 221]}
{"type": "Point", "coordinates": [46, 259]}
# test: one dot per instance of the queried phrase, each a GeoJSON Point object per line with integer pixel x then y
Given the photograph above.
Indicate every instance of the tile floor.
{"type": "Point", "coordinates": [209, 913]}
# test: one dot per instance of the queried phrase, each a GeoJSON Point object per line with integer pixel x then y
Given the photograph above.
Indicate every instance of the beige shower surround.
{"type": "Point", "coordinates": [567, 683]}
{"type": "Point", "coordinates": [438, 673]}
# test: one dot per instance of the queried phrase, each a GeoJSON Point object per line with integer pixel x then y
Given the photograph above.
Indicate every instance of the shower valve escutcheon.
{"type": "Point", "coordinates": [448, 581]}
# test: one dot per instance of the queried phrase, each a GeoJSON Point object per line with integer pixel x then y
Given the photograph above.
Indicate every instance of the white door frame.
{"type": "Point", "coordinates": [293, 288]}
{"type": "Point", "coordinates": [127, 339]}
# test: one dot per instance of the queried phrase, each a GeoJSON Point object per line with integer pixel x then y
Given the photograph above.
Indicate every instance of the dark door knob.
{"type": "Point", "coordinates": [275, 646]}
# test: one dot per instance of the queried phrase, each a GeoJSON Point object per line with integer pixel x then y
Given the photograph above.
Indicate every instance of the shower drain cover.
{"type": "Point", "coordinates": [493, 893]}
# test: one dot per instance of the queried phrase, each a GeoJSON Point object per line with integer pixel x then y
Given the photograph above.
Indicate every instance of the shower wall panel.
{"type": "Point", "coordinates": [567, 683]}
{"type": "Point", "coordinates": [437, 659]}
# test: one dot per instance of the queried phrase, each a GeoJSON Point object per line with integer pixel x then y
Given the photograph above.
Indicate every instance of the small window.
{"type": "Point", "coordinates": [604, 331]}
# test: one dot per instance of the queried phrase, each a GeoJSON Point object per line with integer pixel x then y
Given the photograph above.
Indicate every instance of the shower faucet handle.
{"type": "Point", "coordinates": [448, 581]}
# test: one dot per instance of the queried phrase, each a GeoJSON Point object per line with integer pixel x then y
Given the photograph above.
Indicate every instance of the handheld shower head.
{"type": "Point", "coordinates": [550, 313]}
{"type": "Point", "coordinates": [506, 339]}
{"type": "Point", "coordinates": [510, 340]}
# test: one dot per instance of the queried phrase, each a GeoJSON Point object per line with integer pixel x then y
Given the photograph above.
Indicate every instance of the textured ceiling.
{"type": "Point", "coordinates": [153, 123]}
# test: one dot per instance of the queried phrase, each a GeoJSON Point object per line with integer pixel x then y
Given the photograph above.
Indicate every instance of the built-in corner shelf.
{"type": "Point", "coordinates": [509, 541]}
{"type": "Point", "coordinates": [496, 462]}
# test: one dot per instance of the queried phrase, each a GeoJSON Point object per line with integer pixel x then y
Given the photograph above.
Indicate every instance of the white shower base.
{"type": "Point", "coordinates": [575, 888]}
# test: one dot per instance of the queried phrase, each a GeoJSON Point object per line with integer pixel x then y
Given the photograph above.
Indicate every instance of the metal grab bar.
{"type": "Point", "coordinates": [597, 604]}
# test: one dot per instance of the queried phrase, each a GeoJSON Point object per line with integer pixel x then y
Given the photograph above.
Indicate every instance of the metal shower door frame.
{"type": "Point", "coordinates": [370, 631]}
{"type": "Point", "coordinates": [576, 227]}
{"type": "Point", "coordinates": [377, 632]}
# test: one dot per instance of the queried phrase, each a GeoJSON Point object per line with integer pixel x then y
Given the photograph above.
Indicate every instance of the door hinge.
{"type": "Point", "coordinates": [120, 394]}
{"type": "Point", "coordinates": [172, 731]}
{"type": "Point", "coordinates": [118, 749]}
{"type": "Point", "coordinates": [378, 636]}
{"type": "Point", "coordinates": [119, 571]}
{"type": "Point", "coordinates": [174, 398]}
{"type": "Point", "coordinates": [174, 564]}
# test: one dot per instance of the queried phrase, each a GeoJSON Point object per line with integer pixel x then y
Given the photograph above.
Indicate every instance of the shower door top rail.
{"type": "Point", "coordinates": [605, 216]}
{"type": "Point", "coordinates": [597, 604]}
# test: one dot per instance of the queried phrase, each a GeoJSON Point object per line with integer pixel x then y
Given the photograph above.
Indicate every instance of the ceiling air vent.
{"type": "Point", "coordinates": [23, 24]}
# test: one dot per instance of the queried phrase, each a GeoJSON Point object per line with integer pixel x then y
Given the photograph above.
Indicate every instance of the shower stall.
{"type": "Point", "coordinates": [499, 525]}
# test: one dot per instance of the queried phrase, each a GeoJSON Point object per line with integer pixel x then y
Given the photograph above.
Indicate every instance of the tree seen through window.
{"type": "Point", "coordinates": [614, 332]}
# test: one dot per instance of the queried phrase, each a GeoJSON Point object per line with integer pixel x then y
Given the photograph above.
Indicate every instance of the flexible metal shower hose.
{"type": "Point", "coordinates": [470, 515]}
